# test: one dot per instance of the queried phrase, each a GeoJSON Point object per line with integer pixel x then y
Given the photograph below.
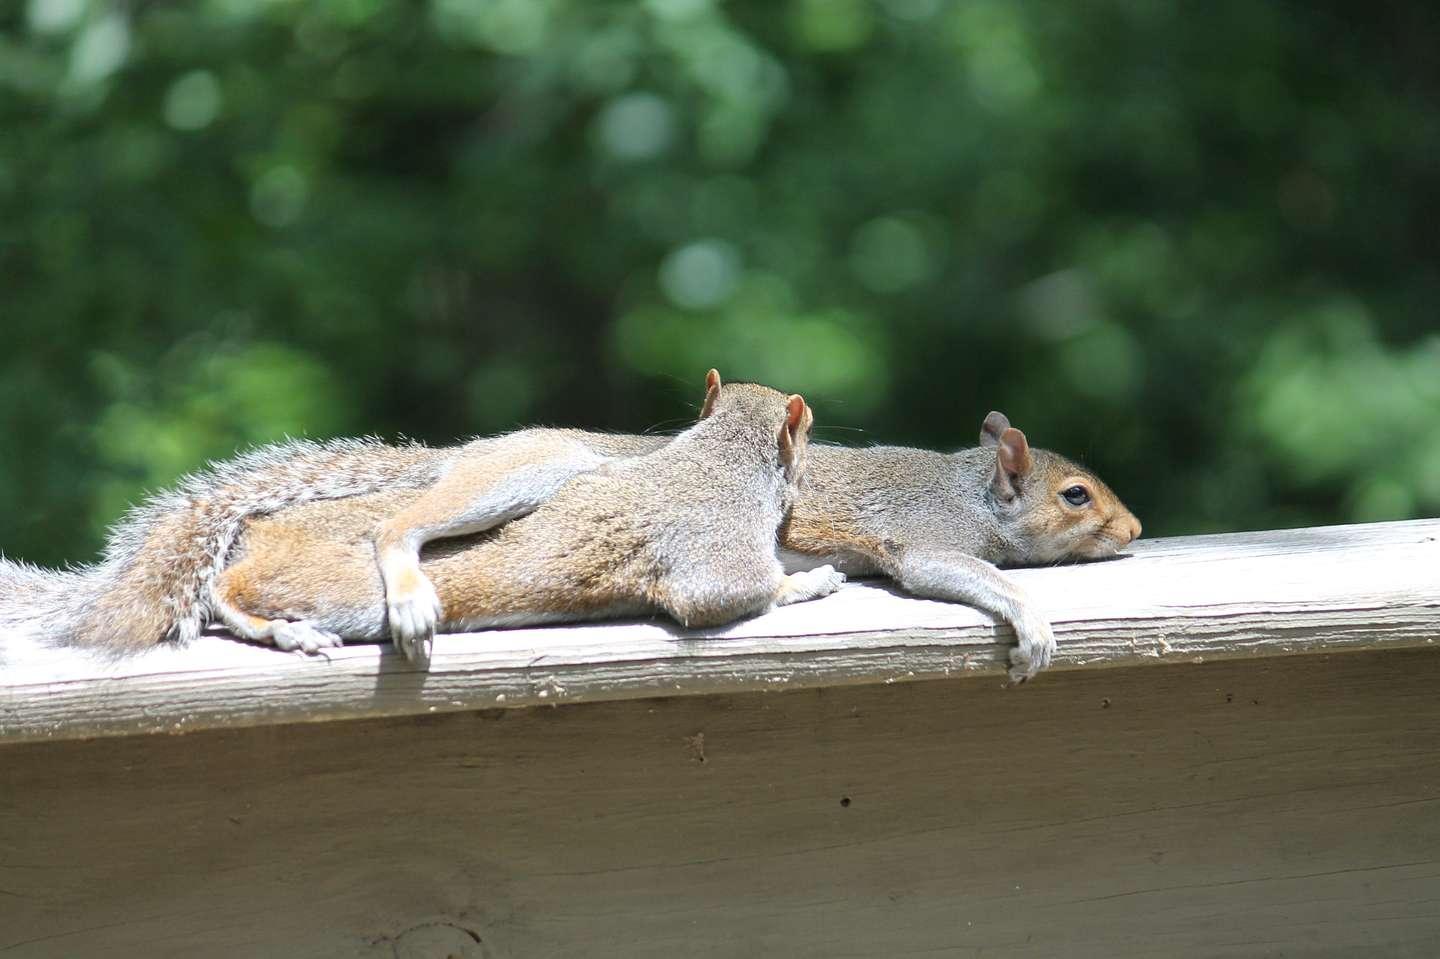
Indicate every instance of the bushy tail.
{"type": "Point", "coordinates": [154, 583]}
{"type": "Point", "coordinates": [38, 606]}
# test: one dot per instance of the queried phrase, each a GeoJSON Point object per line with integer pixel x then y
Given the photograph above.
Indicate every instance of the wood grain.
{"type": "Point", "coordinates": [1190, 599]}
{"type": "Point", "coordinates": [1279, 807]}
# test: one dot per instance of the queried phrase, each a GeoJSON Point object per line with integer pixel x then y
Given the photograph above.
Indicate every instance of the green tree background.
{"type": "Point", "coordinates": [1194, 245]}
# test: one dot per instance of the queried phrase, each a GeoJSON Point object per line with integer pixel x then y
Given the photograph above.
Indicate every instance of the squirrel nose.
{"type": "Point", "coordinates": [1134, 529]}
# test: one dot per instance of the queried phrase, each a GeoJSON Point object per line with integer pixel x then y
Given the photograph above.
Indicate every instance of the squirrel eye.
{"type": "Point", "coordinates": [1076, 496]}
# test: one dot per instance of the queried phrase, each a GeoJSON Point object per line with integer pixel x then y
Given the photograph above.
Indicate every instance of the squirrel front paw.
{"type": "Point", "coordinates": [810, 584]}
{"type": "Point", "coordinates": [1035, 649]}
{"type": "Point", "coordinates": [414, 610]}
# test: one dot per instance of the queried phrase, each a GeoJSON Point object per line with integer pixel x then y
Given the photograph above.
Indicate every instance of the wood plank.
{"type": "Point", "coordinates": [1280, 807]}
{"type": "Point", "coordinates": [1188, 599]}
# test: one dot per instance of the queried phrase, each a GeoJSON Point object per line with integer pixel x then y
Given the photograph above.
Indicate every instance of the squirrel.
{"type": "Point", "coordinates": [930, 521]}
{"type": "Point", "coordinates": [938, 523]}
{"type": "Point", "coordinates": [688, 530]}
{"type": "Point", "coordinates": [935, 523]}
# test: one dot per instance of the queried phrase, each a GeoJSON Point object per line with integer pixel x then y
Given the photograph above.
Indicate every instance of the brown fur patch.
{"type": "Point", "coordinates": [819, 535]}
{"type": "Point", "coordinates": [237, 588]}
{"type": "Point", "coordinates": [407, 582]}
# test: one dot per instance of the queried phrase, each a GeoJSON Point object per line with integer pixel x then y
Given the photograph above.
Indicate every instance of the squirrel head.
{"type": "Point", "coordinates": [1051, 509]}
{"type": "Point", "coordinates": [791, 416]}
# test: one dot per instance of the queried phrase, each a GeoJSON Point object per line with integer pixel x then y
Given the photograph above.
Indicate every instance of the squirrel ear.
{"type": "Point", "coordinates": [995, 424]}
{"type": "Point", "coordinates": [1012, 464]}
{"type": "Point", "coordinates": [712, 393]}
{"type": "Point", "coordinates": [796, 414]}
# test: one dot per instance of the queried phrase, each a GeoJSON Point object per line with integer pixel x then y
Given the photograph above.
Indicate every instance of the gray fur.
{"type": "Point", "coordinates": [34, 600]}
{"type": "Point", "coordinates": [936, 523]}
{"type": "Point", "coordinates": [688, 529]}
{"type": "Point", "coordinates": [91, 606]}
{"type": "Point", "coordinates": [928, 520]}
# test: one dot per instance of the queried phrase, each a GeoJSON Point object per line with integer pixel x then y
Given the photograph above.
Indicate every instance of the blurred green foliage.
{"type": "Point", "coordinates": [1194, 245]}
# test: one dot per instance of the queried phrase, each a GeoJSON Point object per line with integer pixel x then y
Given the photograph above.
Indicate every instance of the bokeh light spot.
{"type": "Point", "coordinates": [193, 101]}
{"type": "Point", "coordinates": [278, 197]}
{"type": "Point", "coordinates": [700, 275]}
{"type": "Point", "coordinates": [637, 126]}
{"type": "Point", "coordinates": [54, 16]}
{"type": "Point", "coordinates": [100, 49]}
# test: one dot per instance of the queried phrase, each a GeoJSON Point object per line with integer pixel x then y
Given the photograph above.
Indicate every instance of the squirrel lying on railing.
{"type": "Point", "coordinates": [933, 522]}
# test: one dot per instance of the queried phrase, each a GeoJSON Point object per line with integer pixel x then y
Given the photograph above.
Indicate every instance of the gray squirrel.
{"type": "Point", "coordinates": [688, 529]}
{"type": "Point", "coordinates": [935, 523]}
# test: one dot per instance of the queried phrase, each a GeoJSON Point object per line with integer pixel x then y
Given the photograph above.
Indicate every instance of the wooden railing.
{"type": "Point", "coordinates": [783, 788]}
{"type": "Point", "coordinates": [1191, 599]}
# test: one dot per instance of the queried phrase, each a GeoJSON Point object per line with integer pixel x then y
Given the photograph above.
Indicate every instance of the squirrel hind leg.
{"type": "Point", "coordinates": [709, 610]}
{"type": "Point", "coordinates": [284, 634]}
{"type": "Point", "coordinates": [716, 602]}
{"type": "Point", "coordinates": [302, 636]}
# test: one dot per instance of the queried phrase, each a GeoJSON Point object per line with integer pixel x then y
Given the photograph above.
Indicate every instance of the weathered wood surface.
{"type": "Point", "coordinates": [1189, 599]}
{"type": "Point", "coordinates": [1261, 808]}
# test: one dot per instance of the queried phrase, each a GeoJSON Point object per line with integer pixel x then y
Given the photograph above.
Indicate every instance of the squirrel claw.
{"type": "Point", "coordinates": [414, 616]}
{"type": "Point", "coordinates": [1034, 651]}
